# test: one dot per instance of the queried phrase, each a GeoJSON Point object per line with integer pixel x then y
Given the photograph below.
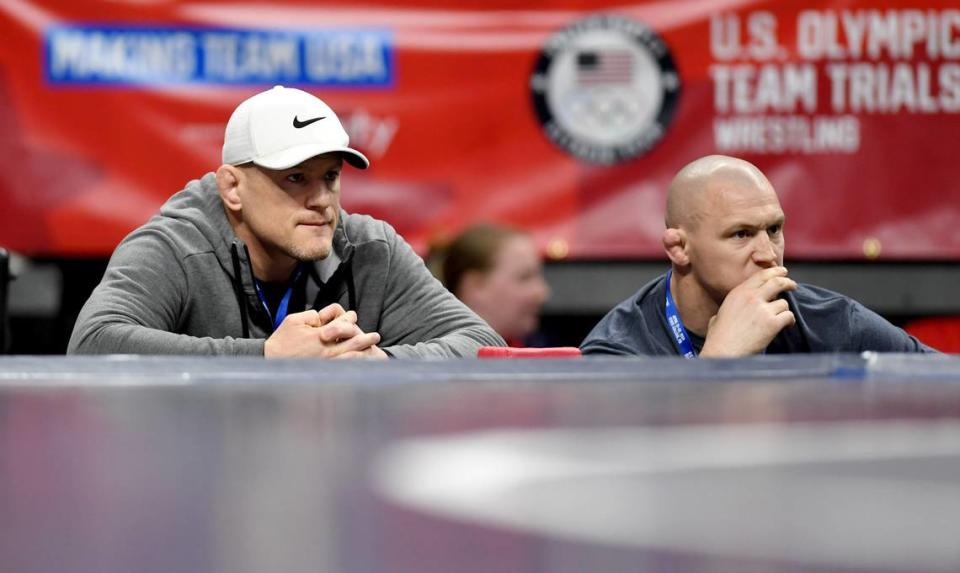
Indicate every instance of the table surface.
{"type": "Point", "coordinates": [801, 463]}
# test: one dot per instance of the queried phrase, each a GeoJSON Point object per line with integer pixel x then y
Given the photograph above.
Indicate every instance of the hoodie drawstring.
{"type": "Point", "coordinates": [238, 289]}
{"type": "Point", "coordinates": [351, 289]}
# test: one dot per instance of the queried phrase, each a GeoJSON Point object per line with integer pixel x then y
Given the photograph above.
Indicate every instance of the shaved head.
{"type": "Point", "coordinates": [691, 191]}
{"type": "Point", "coordinates": [724, 225]}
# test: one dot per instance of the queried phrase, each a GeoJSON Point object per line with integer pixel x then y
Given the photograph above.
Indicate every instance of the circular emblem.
{"type": "Point", "coordinates": [605, 88]}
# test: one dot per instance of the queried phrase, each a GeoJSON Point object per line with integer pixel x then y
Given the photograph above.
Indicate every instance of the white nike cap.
{"type": "Point", "coordinates": [283, 127]}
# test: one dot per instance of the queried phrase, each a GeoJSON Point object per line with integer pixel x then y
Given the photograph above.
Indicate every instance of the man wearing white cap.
{"type": "Point", "coordinates": [259, 258]}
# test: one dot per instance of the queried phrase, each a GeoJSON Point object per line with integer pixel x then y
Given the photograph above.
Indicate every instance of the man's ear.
{"type": "Point", "coordinates": [675, 245]}
{"type": "Point", "coordinates": [228, 183]}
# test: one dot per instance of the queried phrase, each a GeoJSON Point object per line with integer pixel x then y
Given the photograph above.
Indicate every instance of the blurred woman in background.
{"type": "Point", "coordinates": [497, 272]}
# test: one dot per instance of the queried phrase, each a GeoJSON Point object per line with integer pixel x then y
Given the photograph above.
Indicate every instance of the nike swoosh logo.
{"type": "Point", "coordinates": [298, 124]}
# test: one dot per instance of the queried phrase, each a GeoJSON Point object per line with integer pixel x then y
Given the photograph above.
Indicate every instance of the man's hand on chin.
{"type": "Point", "coordinates": [751, 316]}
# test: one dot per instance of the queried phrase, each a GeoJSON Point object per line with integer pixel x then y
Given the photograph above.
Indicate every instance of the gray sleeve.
{"type": "Point", "coordinates": [420, 318]}
{"type": "Point", "coordinates": [876, 334]}
{"type": "Point", "coordinates": [138, 305]}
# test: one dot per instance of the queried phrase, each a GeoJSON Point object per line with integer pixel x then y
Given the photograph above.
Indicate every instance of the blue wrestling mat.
{"type": "Point", "coordinates": [801, 463]}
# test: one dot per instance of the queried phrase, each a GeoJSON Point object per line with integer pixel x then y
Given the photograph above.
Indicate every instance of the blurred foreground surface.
{"type": "Point", "coordinates": [815, 463]}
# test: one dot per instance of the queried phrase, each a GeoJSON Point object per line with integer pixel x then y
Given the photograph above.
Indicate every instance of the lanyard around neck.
{"type": "Point", "coordinates": [284, 302]}
{"type": "Point", "coordinates": [676, 325]}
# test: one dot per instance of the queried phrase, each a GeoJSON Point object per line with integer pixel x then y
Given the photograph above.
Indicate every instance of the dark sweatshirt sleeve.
{"type": "Point", "coordinates": [138, 305]}
{"type": "Point", "coordinates": [611, 336]}
{"type": "Point", "coordinates": [421, 318]}
{"type": "Point", "coordinates": [633, 327]}
{"type": "Point", "coordinates": [877, 335]}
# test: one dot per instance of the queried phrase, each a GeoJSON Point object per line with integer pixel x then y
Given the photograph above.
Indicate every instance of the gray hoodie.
{"type": "Point", "coordinates": [183, 284]}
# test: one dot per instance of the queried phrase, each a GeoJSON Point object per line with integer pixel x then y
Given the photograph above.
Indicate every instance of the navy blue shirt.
{"type": "Point", "coordinates": [826, 322]}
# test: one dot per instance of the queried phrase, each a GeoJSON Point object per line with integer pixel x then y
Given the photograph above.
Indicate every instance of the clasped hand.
{"type": "Point", "coordinates": [330, 332]}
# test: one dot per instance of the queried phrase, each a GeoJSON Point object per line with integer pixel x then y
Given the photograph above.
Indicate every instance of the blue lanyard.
{"type": "Point", "coordinates": [284, 302]}
{"type": "Point", "coordinates": [676, 325]}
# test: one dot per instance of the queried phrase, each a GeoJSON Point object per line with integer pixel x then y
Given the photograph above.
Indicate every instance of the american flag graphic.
{"type": "Point", "coordinates": [599, 67]}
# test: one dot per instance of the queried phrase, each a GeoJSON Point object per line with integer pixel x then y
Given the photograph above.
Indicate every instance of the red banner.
{"type": "Point", "coordinates": [565, 118]}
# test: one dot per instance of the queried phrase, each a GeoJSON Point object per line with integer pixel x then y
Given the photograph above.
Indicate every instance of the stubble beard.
{"type": "Point", "coordinates": [313, 248]}
{"type": "Point", "coordinates": [306, 254]}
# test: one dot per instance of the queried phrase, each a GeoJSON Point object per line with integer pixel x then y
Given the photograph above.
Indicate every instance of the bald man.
{"type": "Point", "coordinates": [727, 293]}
